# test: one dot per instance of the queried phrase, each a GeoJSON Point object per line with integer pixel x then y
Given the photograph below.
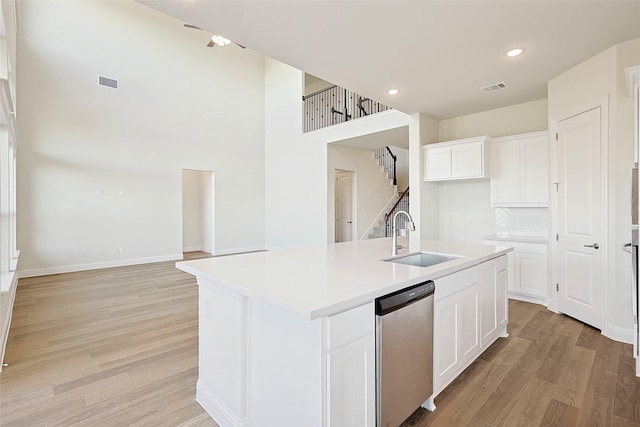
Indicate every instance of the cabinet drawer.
{"type": "Point", "coordinates": [453, 283]}
{"type": "Point", "coordinates": [349, 326]}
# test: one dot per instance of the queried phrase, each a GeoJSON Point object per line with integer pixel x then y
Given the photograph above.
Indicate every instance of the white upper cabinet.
{"type": "Point", "coordinates": [520, 170]}
{"type": "Point", "coordinates": [459, 159]}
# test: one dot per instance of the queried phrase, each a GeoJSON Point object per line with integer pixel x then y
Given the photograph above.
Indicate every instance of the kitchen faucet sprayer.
{"type": "Point", "coordinates": [394, 231]}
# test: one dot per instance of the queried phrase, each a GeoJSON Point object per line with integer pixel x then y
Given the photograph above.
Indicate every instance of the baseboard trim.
{"type": "Point", "coordinates": [217, 410]}
{"type": "Point", "coordinates": [46, 271]}
{"type": "Point", "coordinates": [528, 298]}
{"type": "Point", "coordinates": [617, 333]}
{"type": "Point", "coordinates": [238, 250]}
{"type": "Point", "coordinates": [192, 249]}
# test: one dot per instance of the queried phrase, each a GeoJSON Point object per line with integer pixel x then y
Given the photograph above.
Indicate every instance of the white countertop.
{"type": "Point", "coordinates": [319, 281]}
{"type": "Point", "coordinates": [517, 238]}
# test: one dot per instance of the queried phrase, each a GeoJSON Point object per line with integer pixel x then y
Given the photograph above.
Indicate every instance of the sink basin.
{"type": "Point", "coordinates": [422, 259]}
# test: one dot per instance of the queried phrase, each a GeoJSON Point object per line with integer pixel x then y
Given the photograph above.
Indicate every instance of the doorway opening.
{"type": "Point", "coordinates": [344, 193]}
{"type": "Point", "coordinates": [197, 211]}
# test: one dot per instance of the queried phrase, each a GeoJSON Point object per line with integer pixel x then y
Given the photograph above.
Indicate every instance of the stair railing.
{"type": "Point", "coordinates": [401, 205]}
{"type": "Point", "coordinates": [388, 161]}
{"type": "Point", "coordinates": [334, 105]}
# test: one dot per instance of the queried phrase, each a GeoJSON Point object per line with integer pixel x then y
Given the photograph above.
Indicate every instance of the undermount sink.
{"type": "Point", "coordinates": [422, 259]}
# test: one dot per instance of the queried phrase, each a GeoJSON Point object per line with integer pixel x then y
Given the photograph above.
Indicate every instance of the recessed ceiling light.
{"type": "Point", "coordinates": [515, 52]}
{"type": "Point", "coordinates": [393, 91]}
{"type": "Point", "coordinates": [220, 40]}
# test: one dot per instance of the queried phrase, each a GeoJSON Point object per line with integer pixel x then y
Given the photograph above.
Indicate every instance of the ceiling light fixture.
{"type": "Point", "coordinates": [220, 40]}
{"type": "Point", "coordinates": [515, 52]}
{"type": "Point", "coordinates": [393, 91]}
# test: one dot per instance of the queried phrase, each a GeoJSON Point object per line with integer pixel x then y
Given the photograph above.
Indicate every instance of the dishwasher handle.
{"type": "Point", "coordinates": [402, 298]}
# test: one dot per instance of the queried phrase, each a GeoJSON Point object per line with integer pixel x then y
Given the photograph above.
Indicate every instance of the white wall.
{"type": "Point", "coordinates": [373, 190]}
{"type": "Point", "coordinates": [601, 80]}
{"type": "Point", "coordinates": [465, 214]}
{"type": "Point", "coordinates": [299, 187]}
{"type": "Point", "coordinates": [512, 120]}
{"type": "Point", "coordinates": [180, 106]}
{"type": "Point", "coordinates": [402, 167]}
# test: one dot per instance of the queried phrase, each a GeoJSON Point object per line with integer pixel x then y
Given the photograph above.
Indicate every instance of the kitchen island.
{"type": "Point", "coordinates": [287, 337]}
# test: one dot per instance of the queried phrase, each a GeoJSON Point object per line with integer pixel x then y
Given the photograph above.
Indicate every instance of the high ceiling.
{"type": "Point", "coordinates": [437, 53]}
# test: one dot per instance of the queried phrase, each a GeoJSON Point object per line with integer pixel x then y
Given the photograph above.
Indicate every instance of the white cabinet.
{"type": "Point", "coordinates": [519, 170]}
{"type": "Point", "coordinates": [351, 393]}
{"type": "Point", "coordinates": [528, 277]}
{"type": "Point", "coordinates": [493, 300]}
{"type": "Point", "coordinates": [456, 335]}
{"type": "Point", "coordinates": [6, 309]}
{"type": "Point", "coordinates": [351, 367]}
{"type": "Point", "coordinates": [460, 159]}
{"type": "Point", "coordinates": [470, 313]}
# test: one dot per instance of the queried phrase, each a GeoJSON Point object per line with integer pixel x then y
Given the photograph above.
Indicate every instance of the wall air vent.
{"type": "Point", "coordinates": [494, 87]}
{"type": "Point", "coordinates": [107, 82]}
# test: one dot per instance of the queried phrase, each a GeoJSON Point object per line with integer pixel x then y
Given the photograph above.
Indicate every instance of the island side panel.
{"type": "Point", "coordinates": [286, 368]}
{"type": "Point", "coordinates": [222, 383]}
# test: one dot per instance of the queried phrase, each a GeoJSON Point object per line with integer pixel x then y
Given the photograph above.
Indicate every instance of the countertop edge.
{"type": "Point", "coordinates": [213, 282]}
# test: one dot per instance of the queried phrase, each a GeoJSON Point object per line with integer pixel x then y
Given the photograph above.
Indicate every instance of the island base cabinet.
{"type": "Point", "coordinates": [456, 337]}
{"type": "Point", "coordinates": [263, 366]}
{"type": "Point", "coordinates": [470, 313]}
{"type": "Point", "coordinates": [351, 394]}
{"type": "Point", "coordinates": [494, 301]}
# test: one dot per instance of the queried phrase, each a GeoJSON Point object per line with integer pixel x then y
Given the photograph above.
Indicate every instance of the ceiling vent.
{"type": "Point", "coordinates": [494, 87]}
{"type": "Point", "coordinates": [107, 82]}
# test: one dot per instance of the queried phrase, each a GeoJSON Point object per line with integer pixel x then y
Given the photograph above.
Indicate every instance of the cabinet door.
{"type": "Point", "coordinates": [535, 171]}
{"type": "Point", "coordinates": [4, 311]}
{"type": "Point", "coordinates": [467, 160]}
{"type": "Point", "coordinates": [456, 335]}
{"type": "Point", "coordinates": [351, 384]}
{"type": "Point", "coordinates": [505, 173]}
{"type": "Point", "coordinates": [531, 274]}
{"type": "Point", "coordinates": [502, 302]}
{"type": "Point", "coordinates": [488, 302]}
{"type": "Point", "coordinates": [437, 163]}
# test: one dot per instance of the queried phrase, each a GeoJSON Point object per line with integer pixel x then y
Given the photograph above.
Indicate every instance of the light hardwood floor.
{"type": "Point", "coordinates": [118, 347]}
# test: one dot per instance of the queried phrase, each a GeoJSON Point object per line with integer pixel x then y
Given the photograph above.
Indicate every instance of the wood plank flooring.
{"type": "Point", "coordinates": [111, 347]}
{"type": "Point", "coordinates": [118, 347]}
{"type": "Point", "coordinates": [551, 371]}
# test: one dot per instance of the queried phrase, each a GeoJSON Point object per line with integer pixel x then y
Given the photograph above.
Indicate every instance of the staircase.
{"type": "Point", "coordinates": [380, 229]}
{"type": "Point", "coordinates": [387, 162]}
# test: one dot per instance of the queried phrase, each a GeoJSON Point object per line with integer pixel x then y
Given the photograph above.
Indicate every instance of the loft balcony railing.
{"type": "Point", "coordinates": [333, 105]}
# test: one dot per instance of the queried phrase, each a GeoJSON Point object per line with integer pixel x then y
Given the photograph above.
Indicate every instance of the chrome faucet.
{"type": "Point", "coordinates": [394, 231]}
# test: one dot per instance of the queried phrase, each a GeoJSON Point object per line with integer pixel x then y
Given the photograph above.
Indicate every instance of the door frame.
{"type": "Point", "coordinates": [207, 197]}
{"type": "Point", "coordinates": [354, 204]}
{"type": "Point", "coordinates": [552, 302]}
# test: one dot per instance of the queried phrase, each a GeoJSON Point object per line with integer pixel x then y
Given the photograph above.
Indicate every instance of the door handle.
{"type": "Point", "coordinates": [594, 246]}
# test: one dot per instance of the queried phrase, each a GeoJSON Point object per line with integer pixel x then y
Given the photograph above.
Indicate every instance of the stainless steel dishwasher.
{"type": "Point", "coordinates": [404, 353]}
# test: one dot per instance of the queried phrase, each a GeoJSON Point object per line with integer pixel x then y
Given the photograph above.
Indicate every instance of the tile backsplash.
{"type": "Point", "coordinates": [522, 221]}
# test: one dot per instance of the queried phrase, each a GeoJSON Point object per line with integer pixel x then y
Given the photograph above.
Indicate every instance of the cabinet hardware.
{"type": "Point", "coordinates": [594, 246]}
{"type": "Point", "coordinates": [557, 287]}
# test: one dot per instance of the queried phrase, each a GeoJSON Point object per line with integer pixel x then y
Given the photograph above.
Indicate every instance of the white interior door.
{"type": "Point", "coordinates": [344, 206]}
{"type": "Point", "coordinates": [580, 217]}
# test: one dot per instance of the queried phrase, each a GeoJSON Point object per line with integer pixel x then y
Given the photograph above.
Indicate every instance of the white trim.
{"type": "Point", "coordinates": [220, 413]}
{"type": "Point", "coordinates": [632, 78]}
{"type": "Point", "coordinates": [528, 298]}
{"type": "Point", "coordinates": [617, 333]}
{"type": "Point", "coordinates": [234, 251]}
{"type": "Point", "coordinates": [197, 248]}
{"type": "Point", "coordinates": [96, 265]}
